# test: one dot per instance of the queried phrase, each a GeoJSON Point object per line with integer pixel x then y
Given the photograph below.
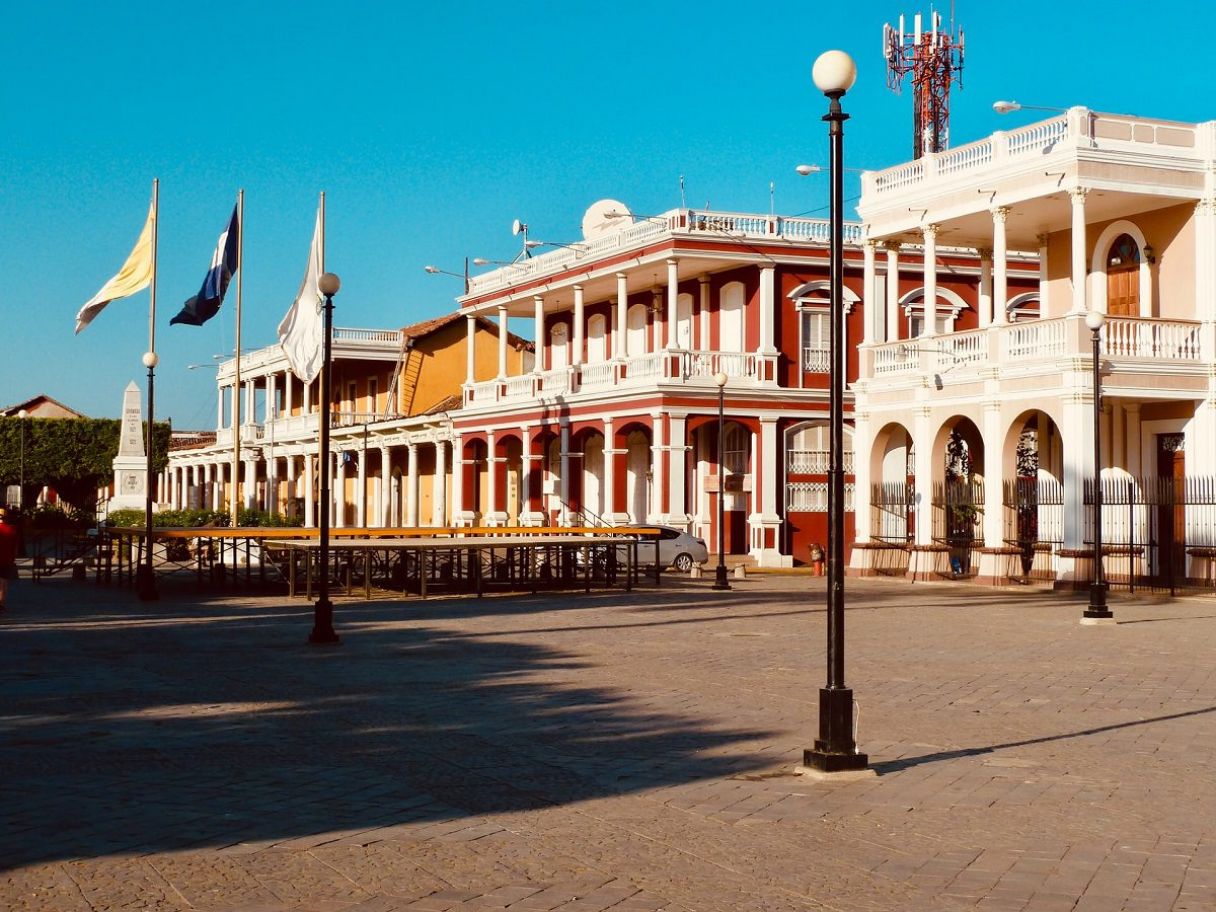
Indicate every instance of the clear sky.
{"type": "Point", "coordinates": [431, 126]}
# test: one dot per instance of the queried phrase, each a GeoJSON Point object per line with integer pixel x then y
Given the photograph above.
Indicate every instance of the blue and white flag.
{"type": "Point", "coordinates": [206, 304]}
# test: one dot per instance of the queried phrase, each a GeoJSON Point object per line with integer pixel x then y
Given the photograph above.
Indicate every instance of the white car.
{"type": "Point", "coordinates": [676, 549]}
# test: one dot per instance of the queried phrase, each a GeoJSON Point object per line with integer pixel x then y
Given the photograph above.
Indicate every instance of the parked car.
{"type": "Point", "coordinates": [676, 549]}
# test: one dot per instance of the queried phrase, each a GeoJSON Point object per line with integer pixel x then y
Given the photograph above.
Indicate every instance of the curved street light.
{"type": "Point", "coordinates": [323, 612]}
{"type": "Point", "coordinates": [1097, 611]}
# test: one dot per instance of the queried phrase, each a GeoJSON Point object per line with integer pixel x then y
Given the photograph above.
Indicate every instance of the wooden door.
{"type": "Point", "coordinates": [1123, 278]}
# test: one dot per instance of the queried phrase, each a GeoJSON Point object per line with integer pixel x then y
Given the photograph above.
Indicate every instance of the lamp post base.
{"type": "Point", "coordinates": [1097, 609]}
{"type": "Point", "coordinates": [720, 577]}
{"type": "Point", "coordinates": [145, 584]}
{"type": "Point", "coordinates": [835, 750]}
{"type": "Point", "coordinates": [323, 625]}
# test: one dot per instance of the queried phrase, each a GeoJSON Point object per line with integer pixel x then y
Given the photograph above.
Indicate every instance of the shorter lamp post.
{"type": "Point", "coordinates": [23, 414]}
{"type": "Point", "coordinates": [1097, 609]}
{"type": "Point", "coordinates": [323, 612]}
{"type": "Point", "coordinates": [145, 575]}
{"type": "Point", "coordinates": [720, 575]}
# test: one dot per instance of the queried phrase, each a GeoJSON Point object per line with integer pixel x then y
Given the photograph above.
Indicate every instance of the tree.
{"type": "Point", "coordinates": [75, 456]}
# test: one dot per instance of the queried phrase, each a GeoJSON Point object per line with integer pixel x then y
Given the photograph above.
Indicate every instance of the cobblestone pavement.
{"type": "Point", "coordinates": [579, 753]}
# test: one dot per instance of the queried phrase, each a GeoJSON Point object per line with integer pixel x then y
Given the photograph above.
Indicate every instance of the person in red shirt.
{"type": "Point", "coordinates": [8, 554]}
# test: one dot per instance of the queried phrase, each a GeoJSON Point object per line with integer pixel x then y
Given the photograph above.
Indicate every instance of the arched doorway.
{"type": "Point", "coordinates": [1123, 277]}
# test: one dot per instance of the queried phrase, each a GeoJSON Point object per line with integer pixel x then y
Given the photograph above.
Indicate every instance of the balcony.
{"type": "Point", "coordinates": [1133, 345]}
{"type": "Point", "coordinates": [692, 368]}
{"type": "Point", "coordinates": [676, 223]}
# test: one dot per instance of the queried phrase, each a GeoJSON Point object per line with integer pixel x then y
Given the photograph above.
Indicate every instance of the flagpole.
{"type": "Point", "coordinates": [323, 391]}
{"type": "Point", "coordinates": [236, 381]}
{"type": "Point", "coordinates": [145, 583]}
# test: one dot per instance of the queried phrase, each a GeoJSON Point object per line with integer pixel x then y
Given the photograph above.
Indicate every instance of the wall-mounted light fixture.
{"type": "Point", "coordinates": [1150, 255]}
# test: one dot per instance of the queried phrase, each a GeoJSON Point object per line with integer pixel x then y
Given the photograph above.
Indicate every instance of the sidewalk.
{"type": "Point", "coordinates": [614, 751]}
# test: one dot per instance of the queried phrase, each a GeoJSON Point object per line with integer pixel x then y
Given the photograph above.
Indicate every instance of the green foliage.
{"type": "Point", "coordinates": [169, 519]}
{"type": "Point", "coordinates": [266, 519]}
{"type": "Point", "coordinates": [193, 519]}
{"type": "Point", "coordinates": [75, 456]}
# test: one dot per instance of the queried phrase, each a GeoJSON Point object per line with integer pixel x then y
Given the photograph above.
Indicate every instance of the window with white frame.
{"type": "Point", "coordinates": [816, 340]}
{"type": "Point", "coordinates": [809, 449]}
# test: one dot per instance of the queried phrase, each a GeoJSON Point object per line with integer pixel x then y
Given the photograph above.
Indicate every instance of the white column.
{"type": "Point", "coordinates": [251, 398]}
{"type": "Point", "coordinates": [361, 491]}
{"type": "Point", "coordinates": [268, 406]}
{"type": "Point", "coordinates": [929, 327]}
{"type": "Point", "coordinates": [491, 504]}
{"type": "Point", "coordinates": [310, 515]}
{"type": "Point", "coordinates": [985, 255]}
{"type": "Point", "coordinates": [291, 478]}
{"type": "Point", "coordinates": [538, 320]}
{"type": "Point", "coordinates": [768, 309]}
{"type": "Point", "coordinates": [411, 485]}
{"type": "Point", "coordinates": [251, 482]}
{"type": "Point", "coordinates": [384, 494]}
{"type": "Point", "coordinates": [768, 468]}
{"type": "Point", "coordinates": [869, 311]}
{"type": "Point", "coordinates": [271, 482]}
{"type": "Point", "coordinates": [457, 479]}
{"type": "Point", "coordinates": [381, 488]}
{"type": "Point", "coordinates": [565, 479]}
{"type": "Point", "coordinates": [219, 408]}
{"type": "Point", "coordinates": [703, 313]}
{"type": "Point", "coordinates": [525, 473]}
{"type": "Point", "coordinates": [620, 324]}
{"type": "Point", "coordinates": [470, 340]}
{"type": "Point", "coordinates": [994, 476]}
{"type": "Point", "coordinates": [673, 295]}
{"type": "Point", "coordinates": [657, 437]}
{"type": "Point", "coordinates": [307, 398]}
{"type": "Point", "coordinates": [439, 491]}
{"type": "Point", "coordinates": [863, 446]}
{"type": "Point", "coordinates": [892, 290]}
{"type": "Point", "coordinates": [503, 321]}
{"type": "Point", "coordinates": [1000, 266]}
{"type": "Point", "coordinates": [338, 514]}
{"type": "Point", "coordinates": [677, 469]}
{"type": "Point", "coordinates": [608, 501]}
{"type": "Point", "coordinates": [1079, 270]}
{"type": "Point", "coordinates": [289, 392]}
{"type": "Point", "coordinates": [576, 354]}
{"type": "Point", "coordinates": [923, 473]}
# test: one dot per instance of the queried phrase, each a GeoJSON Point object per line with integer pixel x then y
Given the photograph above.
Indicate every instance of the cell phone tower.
{"type": "Point", "coordinates": [935, 59]}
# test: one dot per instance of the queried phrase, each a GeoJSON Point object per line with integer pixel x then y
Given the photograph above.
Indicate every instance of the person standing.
{"type": "Point", "coordinates": [8, 554]}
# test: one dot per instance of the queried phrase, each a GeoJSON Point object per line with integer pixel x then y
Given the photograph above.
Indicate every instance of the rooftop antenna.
{"type": "Point", "coordinates": [934, 58]}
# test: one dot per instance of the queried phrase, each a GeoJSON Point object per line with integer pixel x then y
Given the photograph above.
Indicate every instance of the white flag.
{"type": "Point", "coordinates": [301, 332]}
{"type": "Point", "coordinates": [135, 275]}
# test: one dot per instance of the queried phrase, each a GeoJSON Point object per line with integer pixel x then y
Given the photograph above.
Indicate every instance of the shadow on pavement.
{"type": "Point", "coordinates": [179, 724]}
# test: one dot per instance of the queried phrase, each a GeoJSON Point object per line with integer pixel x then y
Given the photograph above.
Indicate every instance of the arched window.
{"type": "Point", "coordinates": [559, 355]}
{"type": "Point", "coordinates": [635, 341]}
{"type": "Point", "coordinates": [730, 318]}
{"type": "Point", "coordinates": [1123, 277]}
{"type": "Point", "coordinates": [596, 349]}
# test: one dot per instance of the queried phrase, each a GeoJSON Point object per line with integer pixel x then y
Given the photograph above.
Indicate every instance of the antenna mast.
{"type": "Point", "coordinates": [934, 57]}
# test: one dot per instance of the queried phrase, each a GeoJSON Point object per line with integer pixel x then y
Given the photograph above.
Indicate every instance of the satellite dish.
{"type": "Point", "coordinates": [517, 226]}
{"type": "Point", "coordinates": [605, 217]}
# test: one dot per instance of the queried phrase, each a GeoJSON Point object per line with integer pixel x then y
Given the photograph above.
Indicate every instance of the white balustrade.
{"type": "Point", "coordinates": [815, 462]}
{"type": "Point", "coordinates": [816, 360]}
{"type": "Point", "coordinates": [646, 367]}
{"type": "Point", "coordinates": [597, 374]}
{"type": "Point", "coordinates": [480, 393]}
{"type": "Point", "coordinates": [521, 386]}
{"type": "Point", "coordinates": [1032, 340]}
{"type": "Point", "coordinates": [1157, 339]}
{"type": "Point", "coordinates": [555, 382]}
{"type": "Point", "coordinates": [963, 348]}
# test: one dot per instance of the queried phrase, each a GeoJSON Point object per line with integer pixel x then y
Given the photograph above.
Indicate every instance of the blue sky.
{"type": "Point", "coordinates": [432, 126]}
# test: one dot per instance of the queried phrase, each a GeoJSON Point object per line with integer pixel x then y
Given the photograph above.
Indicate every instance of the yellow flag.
{"type": "Point", "coordinates": [135, 275]}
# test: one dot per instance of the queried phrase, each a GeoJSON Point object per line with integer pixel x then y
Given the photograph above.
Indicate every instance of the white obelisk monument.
{"type": "Point", "coordinates": [131, 463]}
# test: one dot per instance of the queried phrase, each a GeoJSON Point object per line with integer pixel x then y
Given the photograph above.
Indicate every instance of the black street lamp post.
{"type": "Point", "coordinates": [835, 749]}
{"type": "Point", "coordinates": [1097, 610]}
{"type": "Point", "coordinates": [145, 575]}
{"type": "Point", "coordinates": [720, 574]}
{"type": "Point", "coordinates": [323, 612]}
{"type": "Point", "coordinates": [23, 414]}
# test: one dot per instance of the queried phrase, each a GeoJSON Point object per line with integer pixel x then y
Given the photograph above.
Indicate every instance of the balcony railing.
{"type": "Point", "coordinates": [676, 223]}
{"type": "Point", "coordinates": [696, 368]}
{"type": "Point", "coordinates": [1079, 129]}
{"type": "Point", "coordinates": [1175, 341]}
